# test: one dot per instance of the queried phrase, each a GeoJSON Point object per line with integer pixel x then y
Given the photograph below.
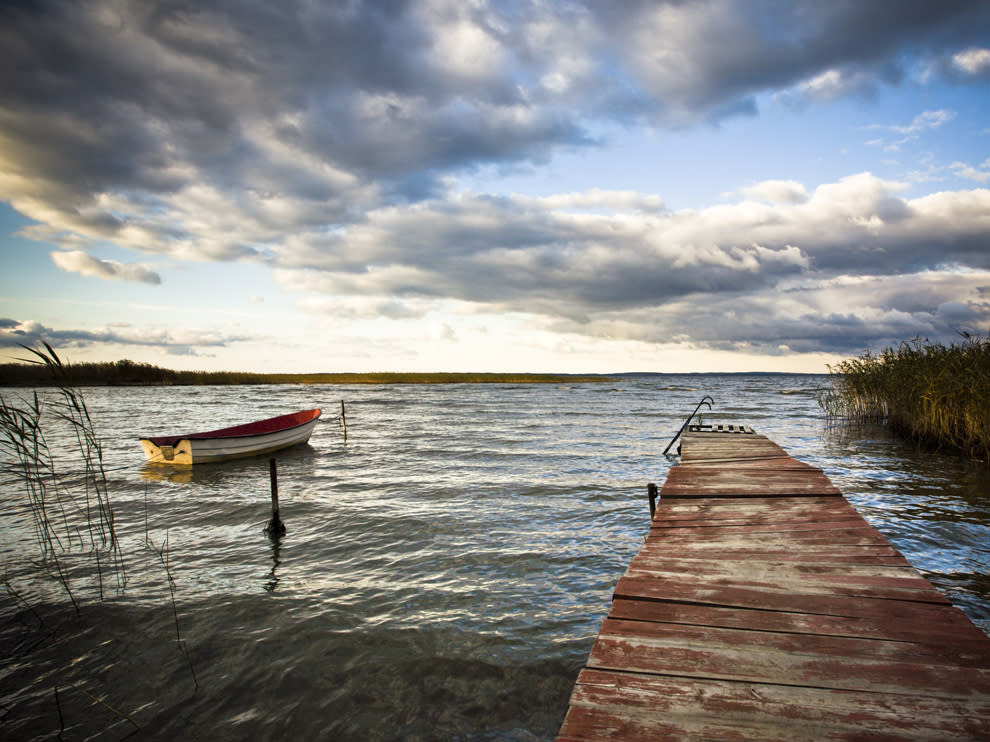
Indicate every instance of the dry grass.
{"type": "Point", "coordinates": [936, 395]}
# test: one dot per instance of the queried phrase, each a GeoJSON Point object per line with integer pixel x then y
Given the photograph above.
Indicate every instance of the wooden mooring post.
{"type": "Point", "coordinates": [343, 419]}
{"type": "Point", "coordinates": [275, 527]}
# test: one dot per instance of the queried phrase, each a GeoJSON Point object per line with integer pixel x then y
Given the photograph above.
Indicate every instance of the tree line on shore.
{"type": "Point", "coordinates": [131, 373]}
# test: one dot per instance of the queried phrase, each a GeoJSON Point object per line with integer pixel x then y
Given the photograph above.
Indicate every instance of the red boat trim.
{"type": "Point", "coordinates": [260, 427]}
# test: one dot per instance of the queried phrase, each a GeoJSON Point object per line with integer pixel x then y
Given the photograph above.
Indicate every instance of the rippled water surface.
{"type": "Point", "coordinates": [445, 569]}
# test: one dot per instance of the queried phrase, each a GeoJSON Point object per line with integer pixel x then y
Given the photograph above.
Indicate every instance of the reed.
{"type": "Point", "coordinates": [936, 395]}
{"type": "Point", "coordinates": [49, 444]}
{"type": "Point", "coordinates": [71, 513]}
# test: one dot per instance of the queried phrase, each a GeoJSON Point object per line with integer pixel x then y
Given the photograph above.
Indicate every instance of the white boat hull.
{"type": "Point", "coordinates": [186, 451]}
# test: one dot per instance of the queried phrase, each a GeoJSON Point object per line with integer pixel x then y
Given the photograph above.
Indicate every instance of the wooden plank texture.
{"type": "Point", "coordinates": [762, 606]}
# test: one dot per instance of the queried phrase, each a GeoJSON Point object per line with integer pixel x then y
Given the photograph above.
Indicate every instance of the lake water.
{"type": "Point", "coordinates": [444, 570]}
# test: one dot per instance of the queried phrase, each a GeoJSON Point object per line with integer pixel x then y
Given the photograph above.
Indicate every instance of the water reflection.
{"type": "Point", "coordinates": [272, 581]}
{"type": "Point", "coordinates": [301, 454]}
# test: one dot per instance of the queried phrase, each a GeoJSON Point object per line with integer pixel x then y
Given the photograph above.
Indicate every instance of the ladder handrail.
{"type": "Point", "coordinates": [704, 401]}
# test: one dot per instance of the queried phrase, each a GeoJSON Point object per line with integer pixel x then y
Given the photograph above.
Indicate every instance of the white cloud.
{"type": "Point", "coordinates": [980, 174]}
{"type": "Point", "coordinates": [973, 61]}
{"type": "Point", "coordinates": [926, 121]}
{"type": "Point", "coordinates": [777, 191]}
{"type": "Point", "coordinates": [827, 85]}
{"type": "Point", "coordinates": [78, 261]}
{"type": "Point", "coordinates": [629, 270]}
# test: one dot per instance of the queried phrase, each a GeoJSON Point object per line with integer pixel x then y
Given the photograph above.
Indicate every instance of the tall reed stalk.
{"type": "Point", "coordinates": [933, 394]}
{"type": "Point", "coordinates": [48, 444]}
{"type": "Point", "coordinates": [70, 510]}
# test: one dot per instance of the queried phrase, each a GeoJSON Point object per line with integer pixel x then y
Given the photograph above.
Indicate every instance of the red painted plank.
{"type": "Point", "coordinates": [716, 529]}
{"type": "Point", "coordinates": [778, 507]}
{"type": "Point", "coordinates": [700, 447]}
{"type": "Point", "coordinates": [652, 707]}
{"type": "Point", "coordinates": [863, 535]}
{"type": "Point", "coordinates": [829, 601]}
{"type": "Point", "coordinates": [870, 553]}
{"type": "Point", "coordinates": [917, 621]}
{"type": "Point", "coordinates": [706, 510]}
{"type": "Point", "coordinates": [782, 574]}
{"type": "Point", "coordinates": [699, 482]}
{"type": "Point", "coordinates": [781, 463]}
{"type": "Point", "coordinates": [965, 653]}
{"type": "Point", "coordinates": [804, 660]}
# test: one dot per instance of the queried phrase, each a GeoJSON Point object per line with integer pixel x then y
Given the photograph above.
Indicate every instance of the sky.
{"type": "Point", "coordinates": [471, 185]}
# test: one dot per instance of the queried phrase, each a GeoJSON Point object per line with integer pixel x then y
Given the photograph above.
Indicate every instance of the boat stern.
{"type": "Point", "coordinates": [178, 454]}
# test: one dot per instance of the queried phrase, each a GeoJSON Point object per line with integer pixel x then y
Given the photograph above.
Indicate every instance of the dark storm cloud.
{"type": "Point", "coordinates": [105, 96]}
{"type": "Point", "coordinates": [710, 58]}
{"type": "Point", "coordinates": [319, 137]}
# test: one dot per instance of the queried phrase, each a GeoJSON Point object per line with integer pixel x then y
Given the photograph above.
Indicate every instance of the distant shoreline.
{"type": "Point", "coordinates": [128, 373]}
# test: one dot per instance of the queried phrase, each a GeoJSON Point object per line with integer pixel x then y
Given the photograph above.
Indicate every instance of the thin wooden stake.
{"type": "Point", "coordinates": [61, 721]}
{"type": "Point", "coordinates": [343, 419]}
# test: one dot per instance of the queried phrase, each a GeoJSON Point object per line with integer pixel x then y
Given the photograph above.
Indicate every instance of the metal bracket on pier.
{"type": "Point", "coordinates": [706, 400]}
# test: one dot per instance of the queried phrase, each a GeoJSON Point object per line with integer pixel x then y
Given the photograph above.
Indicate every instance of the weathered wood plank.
{"type": "Point", "coordinates": [762, 606]}
{"type": "Point", "coordinates": [783, 574]}
{"type": "Point", "coordinates": [808, 553]}
{"type": "Point", "coordinates": [826, 600]}
{"type": "Point", "coordinates": [767, 462]}
{"type": "Point", "coordinates": [777, 508]}
{"type": "Point", "coordinates": [779, 551]}
{"type": "Point", "coordinates": [608, 705]}
{"type": "Point", "coordinates": [960, 653]}
{"type": "Point", "coordinates": [760, 664]}
{"type": "Point", "coordinates": [684, 481]}
{"type": "Point", "coordinates": [864, 535]}
{"type": "Point", "coordinates": [717, 529]}
{"type": "Point", "coordinates": [700, 446]}
{"type": "Point", "coordinates": [918, 621]}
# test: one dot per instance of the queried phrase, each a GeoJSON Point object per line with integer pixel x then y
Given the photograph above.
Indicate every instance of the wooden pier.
{"type": "Point", "coordinates": [764, 607]}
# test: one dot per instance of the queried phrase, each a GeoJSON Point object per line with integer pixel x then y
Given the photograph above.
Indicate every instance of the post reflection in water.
{"type": "Point", "coordinates": [272, 576]}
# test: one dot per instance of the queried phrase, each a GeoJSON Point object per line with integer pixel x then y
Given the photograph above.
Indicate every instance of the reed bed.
{"type": "Point", "coordinates": [936, 395]}
{"type": "Point", "coordinates": [49, 446]}
{"type": "Point", "coordinates": [70, 508]}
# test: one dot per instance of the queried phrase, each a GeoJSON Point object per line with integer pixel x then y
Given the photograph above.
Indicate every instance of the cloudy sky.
{"type": "Point", "coordinates": [517, 185]}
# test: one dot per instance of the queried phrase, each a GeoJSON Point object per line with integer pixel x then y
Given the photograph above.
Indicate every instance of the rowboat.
{"type": "Point", "coordinates": [249, 439]}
